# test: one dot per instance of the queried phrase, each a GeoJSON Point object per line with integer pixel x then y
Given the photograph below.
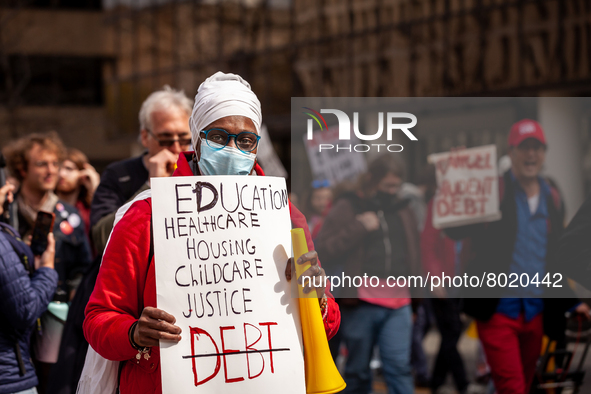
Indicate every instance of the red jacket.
{"type": "Point", "coordinates": [438, 251]}
{"type": "Point", "coordinates": [125, 286]}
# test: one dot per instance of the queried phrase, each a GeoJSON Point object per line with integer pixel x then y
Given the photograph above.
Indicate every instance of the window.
{"type": "Point", "coordinates": [58, 4]}
{"type": "Point", "coordinates": [54, 80]}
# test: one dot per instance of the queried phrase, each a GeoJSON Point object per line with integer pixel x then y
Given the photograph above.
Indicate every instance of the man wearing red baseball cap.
{"type": "Point", "coordinates": [527, 149]}
{"type": "Point", "coordinates": [523, 243]}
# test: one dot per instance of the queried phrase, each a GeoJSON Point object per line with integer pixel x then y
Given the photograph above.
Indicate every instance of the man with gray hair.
{"type": "Point", "coordinates": [164, 132]}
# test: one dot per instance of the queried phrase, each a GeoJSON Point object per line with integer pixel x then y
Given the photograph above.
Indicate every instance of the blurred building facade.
{"type": "Point", "coordinates": [84, 67]}
{"type": "Point", "coordinates": [52, 55]}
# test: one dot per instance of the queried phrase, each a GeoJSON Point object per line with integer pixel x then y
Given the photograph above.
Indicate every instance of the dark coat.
{"type": "Point", "coordinates": [22, 301]}
{"type": "Point", "coordinates": [119, 182]}
{"type": "Point", "coordinates": [575, 246]}
{"type": "Point", "coordinates": [67, 370]}
{"type": "Point", "coordinates": [343, 239]}
{"type": "Point", "coordinates": [491, 251]}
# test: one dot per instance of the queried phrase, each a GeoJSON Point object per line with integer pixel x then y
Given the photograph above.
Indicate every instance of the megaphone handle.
{"type": "Point", "coordinates": [300, 247]}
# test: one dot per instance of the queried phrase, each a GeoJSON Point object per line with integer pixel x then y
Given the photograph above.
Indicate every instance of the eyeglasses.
{"type": "Point", "coordinates": [166, 143]}
{"type": "Point", "coordinates": [245, 141]}
{"type": "Point", "coordinates": [41, 164]}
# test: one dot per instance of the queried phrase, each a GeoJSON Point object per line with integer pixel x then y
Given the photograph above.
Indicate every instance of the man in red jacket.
{"type": "Point", "coordinates": [122, 321]}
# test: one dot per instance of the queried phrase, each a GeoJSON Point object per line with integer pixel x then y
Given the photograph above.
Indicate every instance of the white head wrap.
{"type": "Point", "coordinates": [223, 95]}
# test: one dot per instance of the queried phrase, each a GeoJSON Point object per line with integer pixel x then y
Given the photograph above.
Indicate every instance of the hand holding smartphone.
{"type": "Point", "coordinates": [43, 226]}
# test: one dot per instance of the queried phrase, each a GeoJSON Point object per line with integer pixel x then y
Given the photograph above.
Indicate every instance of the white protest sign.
{"type": "Point", "coordinates": [337, 164]}
{"type": "Point", "coordinates": [267, 157]}
{"type": "Point", "coordinates": [220, 249]}
{"type": "Point", "coordinates": [467, 187]}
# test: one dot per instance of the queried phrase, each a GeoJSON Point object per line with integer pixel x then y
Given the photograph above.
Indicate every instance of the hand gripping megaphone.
{"type": "Point", "coordinates": [322, 375]}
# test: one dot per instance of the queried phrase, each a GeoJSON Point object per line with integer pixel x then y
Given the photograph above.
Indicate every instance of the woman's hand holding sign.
{"type": "Point", "coordinates": [155, 324]}
{"type": "Point", "coordinates": [314, 272]}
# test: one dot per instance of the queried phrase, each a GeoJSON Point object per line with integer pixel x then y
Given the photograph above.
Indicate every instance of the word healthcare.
{"type": "Point", "coordinates": [249, 199]}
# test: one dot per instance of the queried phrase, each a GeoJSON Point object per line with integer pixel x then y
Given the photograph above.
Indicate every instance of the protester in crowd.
{"type": "Point", "coordinates": [335, 268]}
{"type": "Point", "coordinates": [24, 296]}
{"type": "Point", "coordinates": [317, 205]}
{"type": "Point", "coordinates": [164, 132]}
{"type": "Point", "coordinates": [35, 161]}
{"type": "Point", "coordinates": [374, 232]}
{"type": "Point", "coordinates": [524, 241]}
{"type": "Point", "coordinates": [422, 317]}
{"type": "Point", "coordinates": [440, 254]}
{"type": "Point", "coordinates": [415, 195]}
{"type": "Point", "coordinates": [224, 106]}
{"type": "Point", "coordinates": [77, 182]}
{"type": "Point", "coordinates": [504, 164]}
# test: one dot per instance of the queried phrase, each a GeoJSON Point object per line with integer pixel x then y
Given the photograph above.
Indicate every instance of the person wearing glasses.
{"type": "Point", "coordinates": [34, 160]}
{"type": "Point", "coordinates": [164, 133]}
{"type": "Point", "coordinates": [225, 126]}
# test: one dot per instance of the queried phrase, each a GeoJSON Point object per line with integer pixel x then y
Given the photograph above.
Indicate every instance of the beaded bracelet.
{"type": "Point", "coordinates": [140, 349]}
{"type": "Point", "coordinates": [323, 306]}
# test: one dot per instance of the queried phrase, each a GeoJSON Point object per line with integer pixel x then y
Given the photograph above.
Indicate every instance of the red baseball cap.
{"type": "Point", "coordinates": [525, 129]}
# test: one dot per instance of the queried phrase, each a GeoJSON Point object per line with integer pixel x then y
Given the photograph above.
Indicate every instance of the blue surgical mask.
{"type": "Point", "coordinates": [225, 161]}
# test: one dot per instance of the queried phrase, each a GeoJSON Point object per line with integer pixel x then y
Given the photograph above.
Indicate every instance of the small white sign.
{"type": "Point", "coordinates": [338, 164]}
{"type": "Point", "coordinates": [220, 247]}
{"type": "Point", "coordinates": [467, 187]}
{"type": "Point", "coordinates": [267, 156]}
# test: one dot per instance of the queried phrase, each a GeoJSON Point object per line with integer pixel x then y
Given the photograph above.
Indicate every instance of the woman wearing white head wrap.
{"type": "Point", "coordinates": [224, 95]}
{"type": "Point", "coordinates": [225, 126]}
{"type": "Point", "coordinates": [225, 102]}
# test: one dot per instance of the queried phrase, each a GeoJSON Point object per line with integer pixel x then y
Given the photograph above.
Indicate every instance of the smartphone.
{"type": "Point", "coordinates": [43, 226]}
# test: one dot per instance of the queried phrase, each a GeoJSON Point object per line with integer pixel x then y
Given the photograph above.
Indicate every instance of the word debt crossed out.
{"type": "Point", "coordinates": [250, 360]}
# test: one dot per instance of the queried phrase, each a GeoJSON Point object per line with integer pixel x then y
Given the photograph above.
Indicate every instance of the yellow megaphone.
{"type": "Point", "coordinates": [322, 375]}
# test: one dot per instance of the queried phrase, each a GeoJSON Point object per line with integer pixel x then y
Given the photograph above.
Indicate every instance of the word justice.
{"type": "Point", "coordinates": [219, 302]}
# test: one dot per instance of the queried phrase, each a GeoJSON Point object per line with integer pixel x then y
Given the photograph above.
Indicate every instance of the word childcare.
{"type": "Point", "coordinates": [467, 183]}
{"type": "Point", "coordinates": [220, 272]}
{"type": "Point", "coordinates": [345, 130]}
